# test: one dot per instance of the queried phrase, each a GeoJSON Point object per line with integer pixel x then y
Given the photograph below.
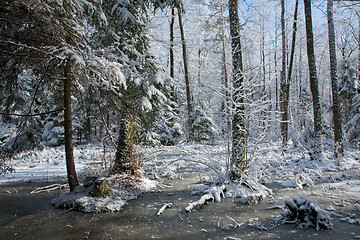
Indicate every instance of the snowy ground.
{"type": "Point", "coordinates": [183, 172]}
{"type": "Point", "coordinates": [268, 163]}
{"type": "Point", "coordinates": [50, 163]}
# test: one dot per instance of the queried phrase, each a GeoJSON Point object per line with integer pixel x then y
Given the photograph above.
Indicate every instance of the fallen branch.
{"type": "Point", "coordinates": [49, 188]}
{"type": "Point", "coordinates": [214, 194]}
{"type": "Point", "coordinates": [275, 207]}
{"type": "Point", "coordinates": [162, 209]}
{"type": "Point", "coordinates": [227, 227]}
{"type": "Point", "coordinates": [202, 201]}
{"type": "Point", "coordinates": [236, 224]}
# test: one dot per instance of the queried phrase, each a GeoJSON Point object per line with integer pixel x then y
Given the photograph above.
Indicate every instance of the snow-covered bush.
{"type": "Point", "coordinates": [168, 130]}
{"type": "Point", "coordinates": [347, 87]}
{"type": "Point", "coordinates": [306, 213]}
{"type": "Point", "coordinates": [352, 127]}
{"type": "Point", "coordinates": [204, 127]}
{"type": "Point", "coordinates": [248, 191]}
{"type": "Point", "coordinates": [53, 132]}
{"type": "Point", "coordinates": [120, 189]}
{"type": "Point", "coordinates": [5, 167]}
{"type": "Point", "coordinates": [27, 137]}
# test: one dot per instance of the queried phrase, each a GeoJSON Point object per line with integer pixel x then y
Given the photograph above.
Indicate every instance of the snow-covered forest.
{"type": "Point", "coordinates": [158, 110]}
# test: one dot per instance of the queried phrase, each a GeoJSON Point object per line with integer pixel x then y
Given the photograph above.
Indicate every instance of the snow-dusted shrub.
{"type": "Point", "coordinates": [347, 87]}
{"type": "Point", "coordinates": [250, 192]}
{"type": "Point", "coordinates": [27, 137]}
{"type": "Point", "coordinates": [203, 126]}
{"type": "Point", "coordinates": [167, 132]}
{"type": "Point", "coordinates": [119, 190]}
{"type": "Point", "coordinates": [306, 213]}
{"type": "Point", "coordinates": [352, 127]}
{"type": "Point", "coordinates": [53, 133]}
{"type": "Point", "coordinates": [5, 167]}
{"type": "Point", "coordinates": [166, 129]}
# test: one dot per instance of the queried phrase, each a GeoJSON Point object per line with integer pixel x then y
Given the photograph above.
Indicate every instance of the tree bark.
{"type": "Point", "coordinates": [291, 62]}
{"type": "Point", "coordinates": [358, 85]}
{"type": "Point", "coordinates": [1, 104]}
{"type": "Point", "coordinates": [225, 79]}
{"type": "Point", "coordinates": [187, 79]}
{"type": "Point", "coordinates": [276, 67]}
{"type": "Point", "coordinates": [284, 84]}
{"type": "Point", "coordinates": [338, 135]}
{"type": "Point", "coordinates": [317, 153]}
{"type": "Point", "coordinates": [121, 163]}
{"type": "Point", "coordinates": [88, 117]}
{"type": "Point", "coordinates": [69, 150]}
{"type": "Point", "coordinates": [238, 162]}
{"type": "Point", "coordinates": [172, 63]}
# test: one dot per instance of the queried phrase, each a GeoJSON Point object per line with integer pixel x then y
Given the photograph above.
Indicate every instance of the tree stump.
{"type": "Point", "coordinates": [101, 188]}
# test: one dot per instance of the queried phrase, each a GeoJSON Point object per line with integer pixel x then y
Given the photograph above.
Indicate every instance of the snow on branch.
{"type": "Point", "coordinates": [202, 201]}
{"type": "Point", "coordinates": [49, 188]}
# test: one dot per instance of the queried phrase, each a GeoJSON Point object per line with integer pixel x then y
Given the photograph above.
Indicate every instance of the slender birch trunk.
{"type": "Point", "coordinates": [284, 84]}
{"type": "Point", "coordinates": [225, 79]}
{"type": "Point", "coordinates": [338, 135]}
{"type": "Point", "coordinates": [187, 79]}
{"type": "Point", "coordinates": [292, 54]}
{"type": "Point", "coordinates": [317, 152]}
{"type": "Point", "coordinates": [171, 53]}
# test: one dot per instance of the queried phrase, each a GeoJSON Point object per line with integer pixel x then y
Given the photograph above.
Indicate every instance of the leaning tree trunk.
{"type": "Point", "coordinates": [187, 79]}
{"type": "Point", "coordinates": [69, 150]}
{"type": "Point", "coordinates": [338, 135]}
{"type": "Point", "coordinates": [238, 160]}
{"type": "Point", "coordinates": [317, 153]}
{"type": "Point", "coordinates": [284, 84]}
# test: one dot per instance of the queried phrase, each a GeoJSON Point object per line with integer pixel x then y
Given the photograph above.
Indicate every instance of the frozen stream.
{"type": "Point", "coordinates": [30, 216]}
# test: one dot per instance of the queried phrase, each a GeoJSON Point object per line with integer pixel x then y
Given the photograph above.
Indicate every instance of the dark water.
{"type": "Point", "coordinates": [30, 216]}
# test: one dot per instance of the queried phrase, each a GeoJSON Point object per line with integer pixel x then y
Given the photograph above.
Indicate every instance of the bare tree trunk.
{"type": "Point", "coordinates": [317, 153]}
{"type": "Point", "coordinates": [276, 69]}
{"type": "Point", "coordinates": [1, 104]}
{"type": "Point", "coordinates": [291, 63]}
{"type": "Point", "coordinates": [238, 162]}
{"type": "Point", "coordinates": [338, 135]}
{"type": "Point", "coordinates": [172, 63]}
{"type": "Point", "coordinates": [225, 79]}
{"type": "Point", "coordinates": [187, 79]}
{"type": "Point", "coordinates": [69, 150]}
{"type": "Point", "coordinates": [358, 88]}
{"type": "Point", "coordinates": [121, 163]}
{"type": "Point", "coordinates": [88, 117]}
{"type": "Point", "coordinates": [88, 125]}
{"type": "Point", "coordinates": [284, 84]}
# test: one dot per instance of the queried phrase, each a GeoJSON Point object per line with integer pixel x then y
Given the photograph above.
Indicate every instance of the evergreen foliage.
{"type": "Point", "coordinates": [204, 127]}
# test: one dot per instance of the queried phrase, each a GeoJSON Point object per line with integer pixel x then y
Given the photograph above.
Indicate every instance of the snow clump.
{"type": "Point", "coordinates": [306, 213]}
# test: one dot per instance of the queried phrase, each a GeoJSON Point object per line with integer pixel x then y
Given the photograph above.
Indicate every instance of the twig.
{"type": "Point", "coordinates": [162, 209]}
{"type": "Point", "coordinates": [235, 222]}
{"type": "Point", "coordinates": [32, 115]}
